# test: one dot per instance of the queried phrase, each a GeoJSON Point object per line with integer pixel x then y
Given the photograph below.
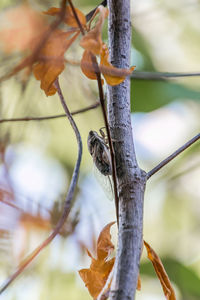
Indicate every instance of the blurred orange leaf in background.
{"type": "Point", "coordinates": [96, 276]}
{"type": "Point", "coordinates": [161, 273]}
{"type": "Point", "coordinates": [29, 31]}
{"type": "Point", "coordinates": [51, 59]}
{"type": "Point", "coordinates": [20, 27]}
{"type": "Point", "coordinates": [69, 16]}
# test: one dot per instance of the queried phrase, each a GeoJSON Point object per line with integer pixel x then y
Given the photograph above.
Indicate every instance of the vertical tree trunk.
{"type": "Point", "coordinates": [131, 179]}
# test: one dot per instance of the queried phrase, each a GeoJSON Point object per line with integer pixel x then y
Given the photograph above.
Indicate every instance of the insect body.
{"type": "Point", "coordinates": [100, 153]}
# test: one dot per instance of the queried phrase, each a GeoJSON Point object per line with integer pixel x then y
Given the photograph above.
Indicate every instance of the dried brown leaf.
{"type": "Point", "coordinates": [96, 276]}
{"type": "Point", "coordinates": [92, 40]}
{"type": "Point", "coordinates": [161, 273]}
{"type": "Point", "coordinates": [112, 75]}
{"type": "Point", "coordinates": [87, 65]}
{"type": "Point", "coordinates": [51, 59]}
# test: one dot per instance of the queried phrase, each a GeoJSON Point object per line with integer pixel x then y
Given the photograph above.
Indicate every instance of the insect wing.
{"type": "Point", "coordinates": [105, 182]}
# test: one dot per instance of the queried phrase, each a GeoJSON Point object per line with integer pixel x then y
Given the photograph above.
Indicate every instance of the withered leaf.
{"type": "Point", "coordinates": [87, 65]}
{"type": "Point", "coordinates": [92, 40]}
{"type": "Point", "coordinates": [51, 59]}
{"type": "Point", "coordinates": [161, 273]}
{"type": "Point", "coordinates": [112, 75]}
{"type": "Point", "coordinates": [96, 276]}
{"type": "Point", "coordinates": [104, 244]}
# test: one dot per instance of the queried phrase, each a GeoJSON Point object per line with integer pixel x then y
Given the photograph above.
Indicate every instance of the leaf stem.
{"type": "Point", "coordinates": [68, 200]}
{"type": "Point", "coordinates": [76, 17]}
{"type": "Point", "coordinates": [172, 156]}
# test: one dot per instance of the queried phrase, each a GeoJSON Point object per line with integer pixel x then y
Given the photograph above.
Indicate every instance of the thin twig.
{"type": "Point", "coordinates": [112, 153]}
{"type": "Point", "coordinates": [90, 14]}
{"type": "Point", "coordinates": [173, 155]}
{"type": "Point", "coordinates": [161, 75]}
{"type": "Point", "coordinates": [76, 17]}
{"type": "Point", "coordinates": [25, 119]}
{"type": "Point", "coordinates": [68, 200]}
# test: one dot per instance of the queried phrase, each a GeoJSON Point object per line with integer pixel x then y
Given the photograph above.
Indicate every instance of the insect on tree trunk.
{"type": "Point", "coordinates": [130, 178]}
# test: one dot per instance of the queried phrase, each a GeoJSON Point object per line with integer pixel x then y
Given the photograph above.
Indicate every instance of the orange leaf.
{"type": "Point", "coordinates": [93, 281]}
{"type": "Point", "coordinates": [113, 76]}
{"type": "Point", "coordinates": [92, 40]}
{"type": "Point", "coordinates": [21, 27]}
{"type": "Point", "coordinates": [96, 276]}
{"type": "Point", "coordinates": [87, 65]}
{"type": "Point", "coordinates": [69, 16]}
{"type": "Point", "coordinates": [161, 273]}
{"type": "Point", "coordinates": [104, 244]}
{"type": "Point", "coordinates": [51, 59]}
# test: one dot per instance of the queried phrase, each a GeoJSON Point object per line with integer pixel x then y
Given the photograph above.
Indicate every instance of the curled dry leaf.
{"type": "Point", "coordinates": [161, 273]}
{"type": "Point", "coordinates": [92, 40]}
{"type": "Point", "coordinates": [112, 75]}
{"type": "Point", "coordinates": [96, 276]}
{"type": "Point", "coordinates": [69, 16]}
{"type": "Point", "coordinates": [87, 65]}
{"type": "Point", "coordinates": [51, 59]}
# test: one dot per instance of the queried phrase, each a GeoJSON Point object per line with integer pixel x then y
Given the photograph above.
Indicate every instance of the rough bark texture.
{"type": "Point", "coordinates": [131, 179]}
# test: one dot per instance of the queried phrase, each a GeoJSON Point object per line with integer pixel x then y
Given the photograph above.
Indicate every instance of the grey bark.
{"type": "Point", "coordinates": [130, 178]}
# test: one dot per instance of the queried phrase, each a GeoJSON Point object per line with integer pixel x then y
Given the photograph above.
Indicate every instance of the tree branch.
{"type": "Point", "coordinates": [161, 75]}
{"type": "Point", "coordinates": [68, 200]}
{"type": "Point", "coordinates": [173, 155]}
{"type": "Point", "coordinates": [25, 119]}
{"type": "Point", "coordinates": [130, 178]}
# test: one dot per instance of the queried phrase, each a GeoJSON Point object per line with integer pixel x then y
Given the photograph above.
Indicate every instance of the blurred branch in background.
{"type": "Point", "coordinates": [68, 199]}
{"type": "Point", "coordinates": [161, 75]}
{"type": "Point", "coordinates": [93, 106]}
{"type": "Point", "coordinates": [135, 75]}
{"type": "Point", "coordinates": [173, 155]}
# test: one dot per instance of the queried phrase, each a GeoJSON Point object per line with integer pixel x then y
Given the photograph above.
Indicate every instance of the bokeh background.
{"type": "Point", "coordinates": [37, 157]}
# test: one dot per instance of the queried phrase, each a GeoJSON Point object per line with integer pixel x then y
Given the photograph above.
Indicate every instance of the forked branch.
{"type": "Point", "coordinates": [173, 155]}
{"type": "Point", "coordinates": [68, 200]}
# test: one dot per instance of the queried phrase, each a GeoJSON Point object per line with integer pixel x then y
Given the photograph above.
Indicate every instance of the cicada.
{"type": "Point", "coordinates": [102, 160]}
{"type": "Point", "coordinates": [100, 153]}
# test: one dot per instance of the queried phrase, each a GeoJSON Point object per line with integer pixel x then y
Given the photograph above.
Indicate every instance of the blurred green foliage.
{"type": "Point", "coordinates": [148, 95]}
{"type": "Point", "coordinates": [183, 277]}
